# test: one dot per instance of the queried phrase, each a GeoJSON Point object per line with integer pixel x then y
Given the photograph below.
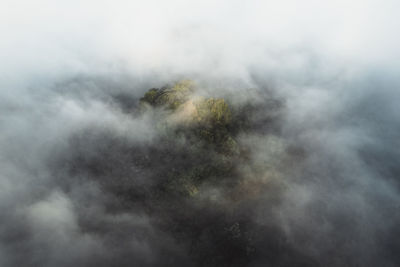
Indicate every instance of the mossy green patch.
{"type": "Point", "coordinates": [205, 126]}
{"type": "Point", "coordinates": [169, 97]}
{"type": "Point", "coordinates": [213, 111]}
{"type": "Point", "coordinates": [150, 96]}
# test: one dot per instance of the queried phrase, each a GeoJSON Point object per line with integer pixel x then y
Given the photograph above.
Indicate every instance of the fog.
{"type": "Point", "coordinates": [324, 81]}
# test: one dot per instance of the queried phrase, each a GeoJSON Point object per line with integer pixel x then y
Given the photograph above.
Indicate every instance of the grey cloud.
{"type": "Point", "coordinates": [320, 187]}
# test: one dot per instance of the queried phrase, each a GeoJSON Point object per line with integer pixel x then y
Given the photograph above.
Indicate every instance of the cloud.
{"type": "Point", "coordinates": [321, 185]}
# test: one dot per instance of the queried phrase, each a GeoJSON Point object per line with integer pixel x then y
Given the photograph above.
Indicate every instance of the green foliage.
{"type": "Point", "coordinates": [170, 97]}
{"type": "Point", "coordinates": [184, 185]}
{"type": "Point", "coordinates": [214, 111]}
{"type": "Point", "coordinates": [229, 146]}
{"type": "Point", "coordinates": [206, 124]}
{"type": "Point", "coordinates": [150, 96]}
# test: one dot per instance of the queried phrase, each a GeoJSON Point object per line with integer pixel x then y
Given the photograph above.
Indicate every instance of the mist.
{"type": "Point", "coordinates": [80, 159]}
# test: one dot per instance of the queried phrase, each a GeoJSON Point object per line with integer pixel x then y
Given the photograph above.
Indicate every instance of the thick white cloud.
{"type": "Point", "coordinates": [69, 37]}
{"type": "Point", "coordinates": [334, 63]}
